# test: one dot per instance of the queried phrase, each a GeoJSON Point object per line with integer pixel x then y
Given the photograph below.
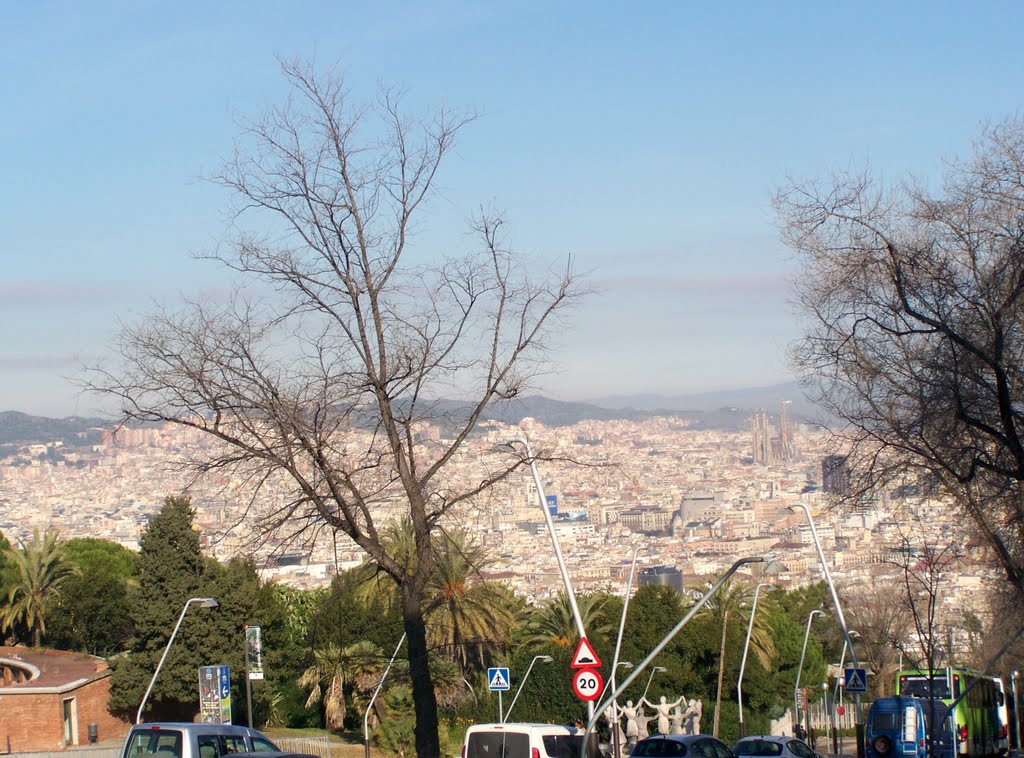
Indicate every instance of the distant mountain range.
{"type": "Point", "coordinates": [768, 398]}
{"type": "Point", "coordinates": [722, 409]}
{"type": "Point", "coordinates": [21, 428]}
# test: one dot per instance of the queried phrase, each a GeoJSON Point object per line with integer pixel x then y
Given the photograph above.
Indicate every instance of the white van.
{"type": "Point", "coordinates": [522, 741]}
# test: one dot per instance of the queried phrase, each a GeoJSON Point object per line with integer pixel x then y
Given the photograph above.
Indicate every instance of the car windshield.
{"type": "Point", "coordinates": [165, 743]}
{"type": "Point", "coordinates": [757, 747]}
{"type": "Point", "coordinates": [666, 748]}
{"type": "Point", "coordinates": [562, 746]}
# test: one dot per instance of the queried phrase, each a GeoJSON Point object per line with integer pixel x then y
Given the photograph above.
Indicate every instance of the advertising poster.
{"type": "Point", "coordinates": [215, 694]}
{"type": "Point", "coordinates": [209, 695]}
{"type": "Point", "coordinates": [253, 652]}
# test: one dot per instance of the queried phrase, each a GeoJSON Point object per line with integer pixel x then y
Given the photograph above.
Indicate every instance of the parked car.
{"type": "Point", "coordinates": [679, 745]}
{"type": "Point", "coordinates": [165, 739]}
{"type": "Point", "coordinates": [771, 746]}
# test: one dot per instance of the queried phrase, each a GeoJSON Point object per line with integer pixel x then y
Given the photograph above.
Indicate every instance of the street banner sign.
{"type": "Point", "coordinates": [253, 652]}
{"type": "Point", "coordinates": [856, 681]}
{"type": "Point", "coordinates": [215, 694]}
{"type": "Point", "coordinates": [587, 684]}
{"type": "Point", "coordinates": [497, 679]}
{"type": "Point", "coordinates": [585, 657]}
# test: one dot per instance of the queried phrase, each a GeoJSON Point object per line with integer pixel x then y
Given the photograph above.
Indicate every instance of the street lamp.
{"type": "Point", "coordinates": [694, 609]}
{"type": "Point", "coordinates": [542, 498]}
{"type": "Point", "coordinates": [611, 679]}
{"type": "Point", "coordinates": [554, 543]}
{"type": "Point", "coordinates": [1016, 713]}
{"type": "Point", "coordinates": [546, 659]}
{"type": "Point", "coordinates": [611, 683]}
{"type": "Point", "coordinates": [654, 671]}
{"type": "Point", "coordinates": [618, 646]}
{"type": "Point", "coordinates": [858, 726]}
{"type": "Point", "coordinates": [743, 662]}
{"type": "Point", "coordinates": [366, 713]}
{"type": "Point", "coordinates": [204, 602]}
{"type": "Point", "coordinates": [800, 668]}
{"type": "Point", "coordinates": [837, 696]}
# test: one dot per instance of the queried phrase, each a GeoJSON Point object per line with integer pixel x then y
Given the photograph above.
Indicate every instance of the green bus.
{"type": "Point", "coordinates": [976, 716]}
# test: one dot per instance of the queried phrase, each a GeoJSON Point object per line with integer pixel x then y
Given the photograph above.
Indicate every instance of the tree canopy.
{"type": "Point", "coordinates": [323, 386]}
{"type": "Point", "coordinates": [913, 305]}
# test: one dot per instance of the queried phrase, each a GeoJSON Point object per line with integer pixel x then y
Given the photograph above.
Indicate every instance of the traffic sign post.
{"type": "Point", "coordinates": [498, 681]}
{"type": "Point", "coordinates": [855, 681]}
{"type": "Point", "coordinates": [587, 684]}
{"type": "Point", "coordinates": [585, 657]}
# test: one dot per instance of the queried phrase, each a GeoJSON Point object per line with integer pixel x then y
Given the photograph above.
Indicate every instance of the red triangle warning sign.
{"type": "Point", "coordinates": [586, 656]}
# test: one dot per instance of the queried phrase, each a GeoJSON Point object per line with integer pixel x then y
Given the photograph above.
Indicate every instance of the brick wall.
{"type": "Point", "coordinates": [34, 722]}
{"type": "Point", "coordinates": [30, 722]}
{"type": "Point", "coordinates": [92, 709]}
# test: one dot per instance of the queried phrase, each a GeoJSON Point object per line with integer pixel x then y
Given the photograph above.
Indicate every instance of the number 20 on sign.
{"type": "Point", "coordinates": [587, 684]}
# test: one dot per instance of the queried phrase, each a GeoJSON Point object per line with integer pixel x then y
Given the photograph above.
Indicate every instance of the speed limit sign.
{"type": "Point", "coordinates": [587, 684]}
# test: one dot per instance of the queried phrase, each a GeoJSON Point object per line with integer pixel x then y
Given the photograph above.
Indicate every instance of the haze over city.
{"type": "Point", "coordinates": [644, 141]}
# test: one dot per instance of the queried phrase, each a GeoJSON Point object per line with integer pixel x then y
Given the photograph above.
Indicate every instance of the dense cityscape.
{"type": "Point", "coordinates": [689, 500]}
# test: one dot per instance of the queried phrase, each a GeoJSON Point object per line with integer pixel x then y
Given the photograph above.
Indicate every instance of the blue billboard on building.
{"type": "Point", "coordinates": [552, 504]}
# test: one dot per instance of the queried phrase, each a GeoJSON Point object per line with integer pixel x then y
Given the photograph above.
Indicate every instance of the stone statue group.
{"type": "Point", "coordinates": [673, 718]}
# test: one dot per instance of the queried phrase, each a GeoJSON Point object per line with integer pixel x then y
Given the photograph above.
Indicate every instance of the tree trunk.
{"type": "Point", "coordinates": [427, 743]}
{"type": "Point", "coordinates": [721, 672]}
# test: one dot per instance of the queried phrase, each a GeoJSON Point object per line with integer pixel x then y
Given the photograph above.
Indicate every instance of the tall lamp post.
{"type": "Point", "coordinates": [694, 609]}
{"type": "Point", "coordinates": [1016, 713]}
{"type": "Point", "coordinates": [204, 602]}
{"type": "Point", "coordinates": [546, 659]}
{"type": "Point", "coordinates": [366, 713]}
{"type": "Point", "coordinates": [618, 647]}
{"type": "Point", "coordinates": [615, 706]}
{"type": "Point", "coordinates": [743, 661]}
{"type": "Point", "coordinates": [800, 668]}
{"type": "Point", "coordinates": [858, 726]}
{"type": "Point", "coordinates": [654, 670]}
{"type": "Point", "coordinates": [837, 695]}
{"type": "Point", "coordinates": [542, 498]}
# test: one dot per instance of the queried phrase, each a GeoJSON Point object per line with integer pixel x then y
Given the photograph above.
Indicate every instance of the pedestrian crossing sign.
{"type": "Point", "coordinates": [856, 681]}
{"type": "Point", "coordinates": [497, 679]}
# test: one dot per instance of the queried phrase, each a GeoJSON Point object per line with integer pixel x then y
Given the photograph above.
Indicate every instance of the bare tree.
{"type": "Point", "coordinates": [880, 618]}
{"type": "Point", "coordinates": [914, 331]}
{"type": "Point", "coordinates": [327, 378]}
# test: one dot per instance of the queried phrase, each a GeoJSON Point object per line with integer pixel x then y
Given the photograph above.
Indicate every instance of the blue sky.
{"type": "Point", "coordinates": [645, 139]}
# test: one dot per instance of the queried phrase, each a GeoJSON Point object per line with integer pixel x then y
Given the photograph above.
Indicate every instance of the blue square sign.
{"type": "Point", "coordinates": [497, 679]}
{"type": "Point", "coordinates": [856, 681]}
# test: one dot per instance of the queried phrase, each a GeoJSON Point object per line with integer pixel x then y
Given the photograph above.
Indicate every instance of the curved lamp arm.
{"type": "Point", "coordinates": [660, 646]}
{"type": "Point", "coordinates": [205, 602]}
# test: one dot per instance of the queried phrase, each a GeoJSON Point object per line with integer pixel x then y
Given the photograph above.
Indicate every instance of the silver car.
{"type": "Point", "coordinates": [770, 746]}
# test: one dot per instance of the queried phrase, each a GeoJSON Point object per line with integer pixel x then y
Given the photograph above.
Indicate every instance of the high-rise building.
{"type": "Point", "coordinates": [835, 475]}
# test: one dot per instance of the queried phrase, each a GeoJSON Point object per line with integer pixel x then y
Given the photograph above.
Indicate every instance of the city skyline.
{"type": "Point", "coordinates": [647, 145]}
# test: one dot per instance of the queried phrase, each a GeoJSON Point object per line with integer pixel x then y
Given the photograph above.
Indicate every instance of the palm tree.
{"type": "Point", "coordinates": [465, 615]}
{"type": "Point", "coordinates": [731, 601]}
{"type": "Point", "coordinates": [554, 622]}
{"type": "Point", "coordinates": [334, 668]}
{"type": "Point", "coordinates": [41, 570]}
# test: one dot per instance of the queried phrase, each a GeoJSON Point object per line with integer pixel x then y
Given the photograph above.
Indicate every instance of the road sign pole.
{"type": "Point", "coordinates": [501, 715]}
